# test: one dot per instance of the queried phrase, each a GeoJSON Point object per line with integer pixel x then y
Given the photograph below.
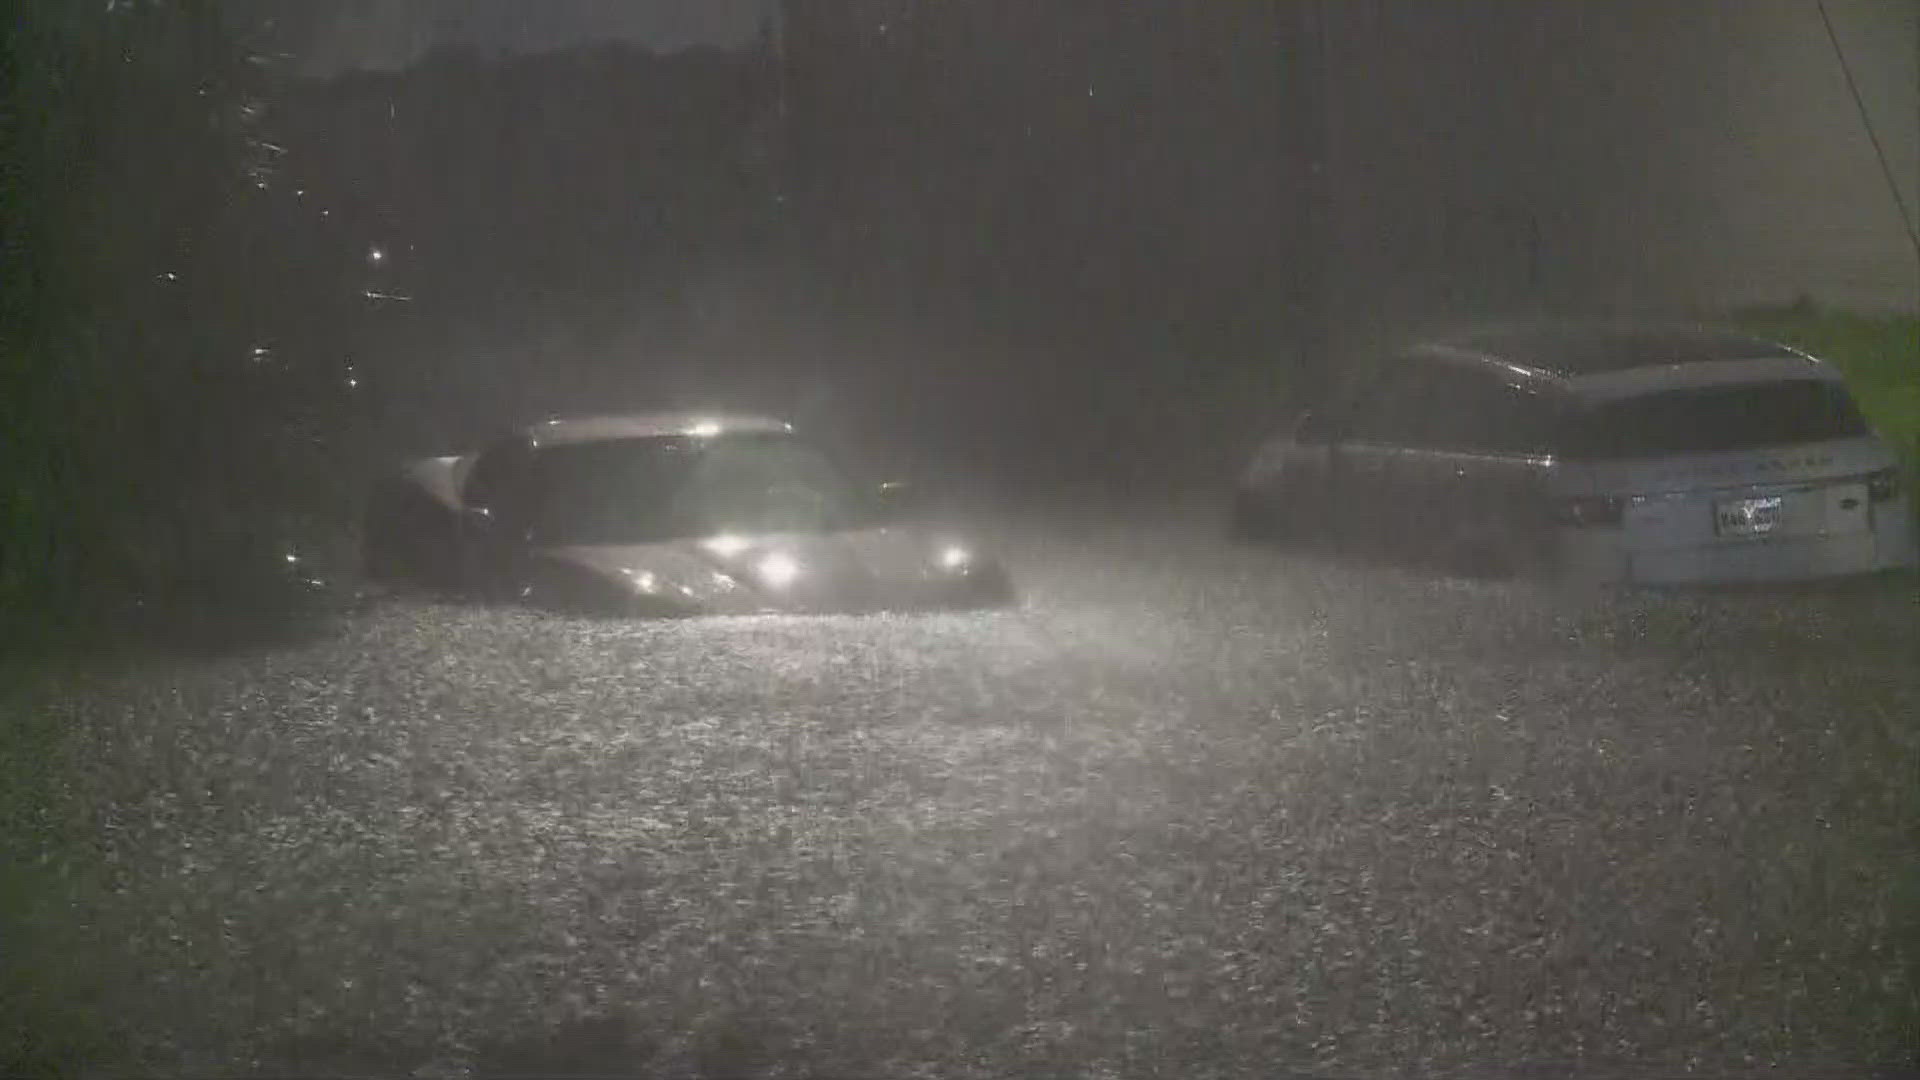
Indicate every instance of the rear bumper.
{"type": "Point", "coordinates": [1609, 556]}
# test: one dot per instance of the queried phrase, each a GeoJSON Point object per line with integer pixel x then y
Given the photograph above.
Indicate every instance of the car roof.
{"type": "Point", "coordinates": [569, 431]}
{"type": "Point", "coordinates": [1575, 349]}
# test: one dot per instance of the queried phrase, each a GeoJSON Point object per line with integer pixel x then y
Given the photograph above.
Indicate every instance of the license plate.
{"type": "Point", "coordinates": [1747, 517]}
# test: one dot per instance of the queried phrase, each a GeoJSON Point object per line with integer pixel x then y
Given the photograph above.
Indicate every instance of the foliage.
{"type": "Point", "coordinates": [1880, 355]}
{"type": "Point", "coordinates": [1008, 266]}
{"type": "Point", "coordinates": [152, 421]}
{"type": "Point", "coordinates": [145, 446]}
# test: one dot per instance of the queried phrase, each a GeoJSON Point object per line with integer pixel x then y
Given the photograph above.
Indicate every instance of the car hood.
{"type": "Point", "coordinates": [871, 569]}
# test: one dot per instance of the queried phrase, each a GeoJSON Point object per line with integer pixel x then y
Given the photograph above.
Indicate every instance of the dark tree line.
{"type": "Point", "coordinates": [1123, 191]}
{"type": "Point", "coordinates": [503, 183]}
{"type": "Point", "coordinates": [172, 361]}
{"type": "Point", "coordinates": [1142, 164]}
{"type": "Point", "coordinates": [974, 218]}
{"type": "Point", "coordinates": [230, 291]}
{"type": "Point", "coordinates": [548, 225]}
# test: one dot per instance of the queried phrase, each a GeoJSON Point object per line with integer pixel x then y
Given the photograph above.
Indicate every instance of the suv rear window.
{"type": "Point", "coordinates": [1742, 416]}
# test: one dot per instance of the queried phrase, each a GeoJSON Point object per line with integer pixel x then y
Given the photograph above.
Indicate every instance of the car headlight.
{"type": "Point", "coordinates": [954, 558]}
{"type": "Point", "coordinates": [777, 570]}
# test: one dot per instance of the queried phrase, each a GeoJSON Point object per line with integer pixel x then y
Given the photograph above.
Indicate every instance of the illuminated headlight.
{"type": "Point", "coordinates": [777, 570]}
{"type": "Point", "coordinates": [953, 557]}
{"type": "Point", "coordinates": [725, 546]}
{"type": "Point", "coordinates": [644, 581]}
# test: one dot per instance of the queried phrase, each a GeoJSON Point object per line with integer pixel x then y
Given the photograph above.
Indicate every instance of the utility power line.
{"type": "Point", "coordinates": [1866, 121]}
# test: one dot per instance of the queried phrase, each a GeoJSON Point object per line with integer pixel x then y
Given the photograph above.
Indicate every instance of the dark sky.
{"type": "Point", "coordinates": [389, 34]}
{"type": "Point", "coordinates": [1756, 159]}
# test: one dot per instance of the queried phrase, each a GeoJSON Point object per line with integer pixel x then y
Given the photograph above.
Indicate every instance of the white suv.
{"type": "Point", "coordinates": [1627, 454]}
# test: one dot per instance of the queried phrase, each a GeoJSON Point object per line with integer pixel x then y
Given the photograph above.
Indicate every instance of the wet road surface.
{"type": "Point", "coordinates": [1190, 810]}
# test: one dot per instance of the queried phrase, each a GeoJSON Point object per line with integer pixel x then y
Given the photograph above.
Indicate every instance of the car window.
{"type": "Point", "coordinates": [1452, 413]}
{"type": "Point", "coordinates": [1478, 411]}
{"type": "Point", "coordinates": [768, 485]}
{"type": "Point", "coordinates": [1705, 419]}
{"type": "Point", "coordinates": [499, 478]}
{"type": "Point", "coordinates": [617, 491]}
{"type": "Point", "coordinates": [1519, 420]}
{"type": "Point", "coordinates": [631, 491]}
{"type": "Point", "coordinates": [1393, 414]}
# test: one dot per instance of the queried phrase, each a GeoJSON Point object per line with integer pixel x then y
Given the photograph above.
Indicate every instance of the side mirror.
{"type": "Point", "coordinates": [1315, 425]}
{"type": "Point", "coordinates": [897, 499]}
{"type": "Point", "coordinates": [485, 524]}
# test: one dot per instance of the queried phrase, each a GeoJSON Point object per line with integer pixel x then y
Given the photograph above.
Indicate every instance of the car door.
{"type": "Point", "coordinates": [1436, 467]}
{"type": "Point", "coordinates": [496, 502]}
{"type": "Point", "coordinates": [1368, 484]}
{"type": "Point", "coordinates": [1480, 473]}
{"type": "Point", "coordinates": [1526, 426]}
{"type": "Point", "coordinates": [1288, 473]}
{"type": "Point", "coordinates": [1311, 446]}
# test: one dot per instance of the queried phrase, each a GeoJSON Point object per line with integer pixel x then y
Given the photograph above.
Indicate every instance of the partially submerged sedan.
{"type": "Point", "coordinates": [1656, 455]}
{"type": "Point", "coordinates": [671, 514]}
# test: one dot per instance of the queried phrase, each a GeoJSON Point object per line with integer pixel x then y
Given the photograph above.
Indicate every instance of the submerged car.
{"type": "Point", "coordinates": [672, 514]}
{"type": "Point", "coordinates": [1628, 454]}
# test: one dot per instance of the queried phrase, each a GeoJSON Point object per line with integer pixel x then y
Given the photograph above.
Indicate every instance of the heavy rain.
{"type": "Point", "coordinates": [960, 538]}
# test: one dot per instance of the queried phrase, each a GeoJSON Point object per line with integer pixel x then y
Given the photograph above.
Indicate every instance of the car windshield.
{"type": "Point", "coordinates": [1742, 416]}
{"type": "Point", "coordinates": [647, 490]}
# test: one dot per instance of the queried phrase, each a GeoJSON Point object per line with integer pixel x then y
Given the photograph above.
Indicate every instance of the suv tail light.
{"type": "Point", "coordinates": [1589, 511]}
{"type": "Point", "coordinates": [1882, 486]}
